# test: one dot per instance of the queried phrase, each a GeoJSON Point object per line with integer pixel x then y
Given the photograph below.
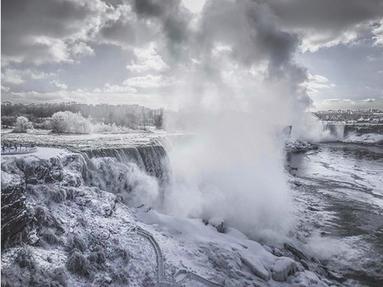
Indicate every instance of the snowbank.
{"type": "Point", "coordinates": [364, 138]}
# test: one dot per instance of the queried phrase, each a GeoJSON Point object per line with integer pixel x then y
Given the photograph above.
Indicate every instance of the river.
{"type": "Point", "coordinates": [339, 193]}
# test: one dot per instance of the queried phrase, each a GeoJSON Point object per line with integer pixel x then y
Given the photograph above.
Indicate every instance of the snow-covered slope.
{"type": "Point", "coordinates": [92, 221]}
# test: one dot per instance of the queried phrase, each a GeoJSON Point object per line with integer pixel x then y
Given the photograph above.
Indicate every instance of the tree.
{"type": "Point", "coordinates": [22, 125]}
{"type": "Point", "coordinates": [68, 122]}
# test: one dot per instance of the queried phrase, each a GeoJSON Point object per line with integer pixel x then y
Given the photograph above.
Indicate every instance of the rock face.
{"type": "Point", "coordinates": [14, 215]}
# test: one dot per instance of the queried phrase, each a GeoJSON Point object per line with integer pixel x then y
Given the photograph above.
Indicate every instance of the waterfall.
{"type": "Point", "coordinates": [152, 159]}
{"type": "Point", "coordinates": [336, 129]}
{"type": "Point", "coordinates": [140, 170]}
{"type": "Point", "coordinates": [339, 128]}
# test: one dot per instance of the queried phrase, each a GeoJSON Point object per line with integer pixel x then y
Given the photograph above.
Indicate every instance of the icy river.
{"type": "Point", "coordinates": [339, 189]}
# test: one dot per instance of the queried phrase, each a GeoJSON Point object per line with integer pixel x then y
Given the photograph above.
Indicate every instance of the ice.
{"type": "Point", "coordinates": [131, 242]}
{"type": "Point", "coordinates": [339, 206]}
{"type": "Point", "coordinates": [255, 266]}
{"type": "Point", "coordinates": [283, 268]}
{"type": "Point", "coordinates": [364, 138]}
{"type": "Point", "coordinates": [41, 152]}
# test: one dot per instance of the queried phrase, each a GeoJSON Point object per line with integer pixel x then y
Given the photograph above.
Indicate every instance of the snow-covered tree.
{"type": "Point", "coordinates": [22, 125]}
{"type": "Point", "coordinates": [68, 122]}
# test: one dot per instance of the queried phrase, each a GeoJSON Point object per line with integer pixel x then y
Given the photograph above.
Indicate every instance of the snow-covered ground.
{"type": "Point", "coordinates": [364, 138]}
{"type": "Point", "coordinates": [40, 152]}
{"type": "Point", "coordinates": [94, 140]}
{"type": "Point", "coordinates": [89, 223]}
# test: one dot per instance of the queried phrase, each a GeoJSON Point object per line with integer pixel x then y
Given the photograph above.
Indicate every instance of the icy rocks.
{"type": "Point", "coordinates": [75, 242]}
{"type": "Point", "coordinates": [78, 264]}
{"type": "Point", "coordinates": [295, 251]}
{"type": "Point", "coordinates": [255, 266]}
{"type": "Point", "coordinates": [40, 171]}
{"type": "Point", "coordinates": [60, 276]}
{"type": "Point", "coordinates": [218, 223]}
{"type": "Point", "coordinates": [282, 268]}
{"type": "Point", "coordinates": [298, 146]}
{"type": "Point", "coordinates": [24, 258]}
{"type": "Point", "coordinates": [224, 260]}
{"type": "Point", "coordinates": [14, 215]}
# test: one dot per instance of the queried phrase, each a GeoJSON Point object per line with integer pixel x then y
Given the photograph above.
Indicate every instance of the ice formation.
{"type": "Point", "coordinates": [91, 218]}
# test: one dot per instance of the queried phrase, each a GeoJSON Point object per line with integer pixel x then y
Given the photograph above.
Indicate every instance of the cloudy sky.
{"type": "Point", "coordinates": [148, 51]}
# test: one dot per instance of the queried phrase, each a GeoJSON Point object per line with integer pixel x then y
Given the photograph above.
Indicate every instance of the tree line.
{"type": "Point", "coordinates": [132, 116]}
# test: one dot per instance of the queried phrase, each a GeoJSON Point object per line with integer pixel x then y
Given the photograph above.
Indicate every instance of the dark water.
{"type": "Point", "coordinates": [339, 192]}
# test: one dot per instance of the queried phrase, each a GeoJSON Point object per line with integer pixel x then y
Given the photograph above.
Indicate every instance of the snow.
{"type": "Point", "coordinates": [282, 268]}
{"type": "Point", "coordinates": [298, 146]}
{"type": "Point", "coordinates": [9, 179]}
{"type": "Point", "coordinates": [132, 240]}
{"type": "Point", "coordinates": [41, 153]}
{"type": "Point", "coordinates": [86, 141]}
{"type": "Point", "coordinates": [364, 138]}
{"type": "Point", "coordinates": [255, 266]}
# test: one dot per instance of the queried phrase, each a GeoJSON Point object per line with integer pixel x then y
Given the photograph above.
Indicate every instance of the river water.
{"type": "Point", "coordinates": [339, 193]}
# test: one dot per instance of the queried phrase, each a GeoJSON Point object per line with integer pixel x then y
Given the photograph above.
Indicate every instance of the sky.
{"type": "Point", "coordinates": [149, 51]}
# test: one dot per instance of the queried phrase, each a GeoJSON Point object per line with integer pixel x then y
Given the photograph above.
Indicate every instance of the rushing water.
{"type": "Point", "coordinates": [339, 191]}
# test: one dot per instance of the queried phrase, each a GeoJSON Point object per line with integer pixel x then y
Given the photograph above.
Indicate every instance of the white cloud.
{"type": "Point", "coordinates": [316, 83]}
{"type": "Point", "coordinates": [327, 23]}
{"type": "Point", "coordinates": [147, 60]}
{"type": "Point", "coordinates": [378, 33]}
{"type": "Point", "coordinates": [4, 88]}
{"type": "Point", "coordinates": [82, 49]}
{"type": "Point", "coordinates": [108, 88]}
{"type": "Point", "coordinates": [314, 40]}
{"type": "Point", "coordinates": [38, 75]}
{"type": "Point", "coordinates": [40, 32]}
{"type": "Point", "coordinates": [221, 49]}
{"type": "Point", "coordinates": [22, 76]}
{"type": "Point", "coordinates": [194, 6]}
{"type": "Point", "coordinates": [55, 49]}
{"type": "Point", "coordinates": [148, 81]}
{"type": "Point", "coordinates": [59, 85]}
{"type": "Point", "coordinates": [121, 27]}
{"type": "Point", "coordinates": [12, 76]}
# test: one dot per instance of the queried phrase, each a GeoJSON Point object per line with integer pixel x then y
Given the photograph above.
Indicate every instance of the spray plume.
{"type": "Point", "coordinates": [236, 87]}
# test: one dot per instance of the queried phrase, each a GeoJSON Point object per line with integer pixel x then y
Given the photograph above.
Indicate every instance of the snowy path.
{"type": "Point", "coordinates": [182, 275]}
{"type": "Point", "coordinates": [157, 250]}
